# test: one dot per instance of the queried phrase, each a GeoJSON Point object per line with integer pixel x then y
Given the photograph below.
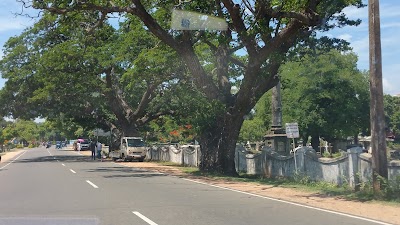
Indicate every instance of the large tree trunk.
{"type": "Point", "coordinates": [218, 144]}
{"type": "Point", "coordinates": [315, 143]}
{"type": "Point", "coordinates": [129, 130]}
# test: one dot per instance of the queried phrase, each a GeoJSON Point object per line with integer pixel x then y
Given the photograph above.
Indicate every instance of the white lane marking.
{"type": "Point", "coordinates": [12, 161]}
{"type": "Point", "coordinates": [62, 164]}
{"type": "Point", "coordinates": [72, 170]}
{"type": "Point", "coordinates": [93, 185]}
{"type": "Point", "coordinates": [141, 216]}
{"type": "Point", "coordinates": [49, 152]}
{"type": "Point", "coordinates": [288, 202]}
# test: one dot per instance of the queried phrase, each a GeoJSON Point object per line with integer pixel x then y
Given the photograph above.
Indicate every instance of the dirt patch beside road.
{"type": "Point", "coordinates": [374, 210]}
{"type": "Point", "coordinates": [7, 156]}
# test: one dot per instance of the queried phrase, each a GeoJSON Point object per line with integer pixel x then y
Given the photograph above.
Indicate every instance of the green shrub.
{"type": "Point", "coordinates": [392, 190]}
{"type": "Point", "coordinates": [333, 155]}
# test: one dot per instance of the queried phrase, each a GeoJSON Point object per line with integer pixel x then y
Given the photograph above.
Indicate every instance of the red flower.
{"type": "Point", "coordinates": [174, 133]}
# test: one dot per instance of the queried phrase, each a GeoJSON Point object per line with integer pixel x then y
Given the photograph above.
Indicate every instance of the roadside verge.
{"type": "Point", "coordinates": [7, 156]}
{"type": "Point", "coordinates": [380, 211]}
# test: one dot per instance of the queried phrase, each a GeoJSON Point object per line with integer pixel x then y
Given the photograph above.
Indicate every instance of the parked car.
{"type": "Point", "coordinates": [85, 144]}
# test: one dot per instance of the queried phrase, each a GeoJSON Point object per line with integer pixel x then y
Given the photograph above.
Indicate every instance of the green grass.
{"type": "Point", "coordinates": [185, 169]}
{"type": "Point", "coordinates": [169, 164]}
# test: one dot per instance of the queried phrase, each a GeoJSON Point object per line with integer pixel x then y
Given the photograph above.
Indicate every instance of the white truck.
{"type": "Point", "coordinates": [131, 148]}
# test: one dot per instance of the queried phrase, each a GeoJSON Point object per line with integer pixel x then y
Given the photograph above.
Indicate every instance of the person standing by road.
{"type": "Point", "coordinates": [75, 146]}
{"type": "Point", "coordinates": [93, 149]}
{"type": "Point", "coordinates": [78, 146]}
{"type": "Point", "coordinates": [99, 148]}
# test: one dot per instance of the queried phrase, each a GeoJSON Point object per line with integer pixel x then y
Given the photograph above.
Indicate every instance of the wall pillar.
{"type": "Point", "coordinates": [354, 180]}
{"type": "Point", "coordinates": [300, 160]}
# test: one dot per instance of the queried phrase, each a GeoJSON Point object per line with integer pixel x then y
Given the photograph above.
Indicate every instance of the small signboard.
{"type": "Point", "coordinates": [292, 130]}
{"type": "Point", "coordinates": [187, 20]}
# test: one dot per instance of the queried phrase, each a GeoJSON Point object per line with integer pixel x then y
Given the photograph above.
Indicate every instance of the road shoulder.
{"type": "Point", "coordinates": [7, 156]}
{"type": "Point", "coordinates": [386, 212]}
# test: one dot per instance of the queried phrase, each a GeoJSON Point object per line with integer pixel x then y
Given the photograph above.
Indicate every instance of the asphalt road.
{"type": "Point", "coordinates": [55, 187]}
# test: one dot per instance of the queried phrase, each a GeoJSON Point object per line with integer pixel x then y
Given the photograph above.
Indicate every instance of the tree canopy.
{"type": "Point", "coordinates": [119, 78]}
{"type": "Point", "coordinates": [327, 95]}
{"type": "Point", "coordinates": [392, 113]}
{"type": "Point", "coordinates": [267, 32]}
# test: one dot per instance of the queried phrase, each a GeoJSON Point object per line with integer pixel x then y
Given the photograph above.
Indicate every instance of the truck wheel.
{"type": "Point", "coordinates": [123, 157]}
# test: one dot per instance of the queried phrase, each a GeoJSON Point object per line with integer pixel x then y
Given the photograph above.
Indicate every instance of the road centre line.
{"type": "Point", "coordinates": [72, 170]}
{"type": "Point", "coordinates": [62, 164]}
{"type": "Point", "coordinates": [93, 185]}
{"type": "Point", "coordinates": [49, 152]}
{"type": "Point", "coordinates": [12, 161]}
{"type": "Point", "coordinates": [292, 203]}
{"type": "Point", "coordinates": [141, 216]}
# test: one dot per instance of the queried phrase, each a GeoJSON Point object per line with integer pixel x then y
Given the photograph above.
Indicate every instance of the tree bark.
{"type": "Point", "coordinates": [315, 142]}
{"type": "Point", "coordinates": [218, 144]}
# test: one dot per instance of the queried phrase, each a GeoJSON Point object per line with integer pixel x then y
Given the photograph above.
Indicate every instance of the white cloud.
{"type": "Point", "coordinates": [346, 37]}
{"type": "Point", "coordinates": [356, 13]}
{"type": "Point", "coordinates": [13, 16]}
{"type": "Point", "coordinates": [390, 25]}
{"type": "Point", "coordinates": [389, 10]}
{"type": "Point", "coordinates": [391, 83]}
{"type": "Point", "coordinates": [6, 25]}
{"type": "Point", "coordinates": [361, 48]}
{"type": "Point", "coordinates": [388, 87]}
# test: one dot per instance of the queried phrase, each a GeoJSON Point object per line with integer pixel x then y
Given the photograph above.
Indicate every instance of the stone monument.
{"type": "Point", "coordinates": [276, 137]}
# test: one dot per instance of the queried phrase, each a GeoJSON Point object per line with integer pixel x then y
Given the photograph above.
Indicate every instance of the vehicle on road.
{"type": "Point", "coordinates": [131, 148]}
{"type": "Point", "coordinates": [85, 144]}
{"type": "Point", "coordinates": [58, 145]}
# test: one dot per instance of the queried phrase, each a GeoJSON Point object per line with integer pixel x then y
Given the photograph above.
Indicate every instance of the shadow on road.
{"type": "Point", "coordinates": [124, 172]}
{"type": "Point", "coordinates": [107, 170]}
{"type": "Point", "coordinates": [61, 158]}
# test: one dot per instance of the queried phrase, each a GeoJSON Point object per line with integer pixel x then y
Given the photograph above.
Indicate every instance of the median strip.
{"type": "Point", "coordinates": [93, 185]}
{"type": "Point", "coordinates": [141, 216]}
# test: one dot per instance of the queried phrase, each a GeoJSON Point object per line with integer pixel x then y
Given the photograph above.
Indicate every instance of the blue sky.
{"type": "Point", "coordinates": [10, 25]}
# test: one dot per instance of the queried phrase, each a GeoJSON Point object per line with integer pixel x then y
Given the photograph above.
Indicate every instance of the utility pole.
{"type": "Point", "coordinates": [378, 133]}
